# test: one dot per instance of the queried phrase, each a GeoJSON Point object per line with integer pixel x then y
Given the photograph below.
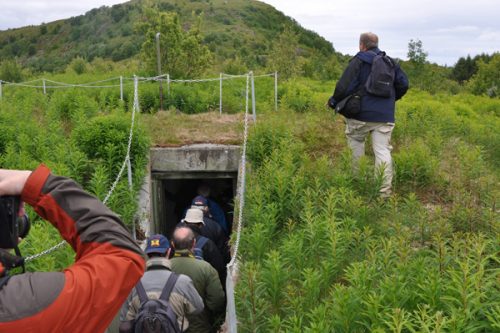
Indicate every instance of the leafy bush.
{"type": "Point", "coordinates": [72, 106]}
{"type": "Point", "coordinates": [10, 71]}
{"type": "Point", "coordinates": [486, 80]}
{"type": "Point", "coordinates": [78, 65]}
{"type": "Point", "coordinates": [265, 138]}
{"type": "Point", "coordinates": [149, 98]}
{"type": "Point", "coordinates": [234, 66]}
{"type": "Point", "coordinates": [296, 96]}
{"type": "Point", "coordinates": [105, 139]}
{"type": "Point", "coordinates": [189, 100]}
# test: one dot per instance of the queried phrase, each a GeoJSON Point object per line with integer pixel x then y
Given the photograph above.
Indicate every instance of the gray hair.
{"type": "Point", "coordinates": [369, 40]}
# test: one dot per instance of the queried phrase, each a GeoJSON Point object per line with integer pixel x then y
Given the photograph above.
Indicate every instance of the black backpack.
{"type": "Point", "coordinates": [156, 315]}
{"type": "Point", "coordinates": [380, 81]}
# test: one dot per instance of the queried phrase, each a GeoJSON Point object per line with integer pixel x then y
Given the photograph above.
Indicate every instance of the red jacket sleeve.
{"type": "Point", "coordinates": [108, 261]}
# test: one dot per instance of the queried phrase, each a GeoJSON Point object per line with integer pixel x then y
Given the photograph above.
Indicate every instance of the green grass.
{"type": "Point", "coordinates": [320, 252]}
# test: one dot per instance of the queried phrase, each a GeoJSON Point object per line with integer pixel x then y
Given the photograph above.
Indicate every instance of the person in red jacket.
{"type": "Point", "coordinates": [87, 295]}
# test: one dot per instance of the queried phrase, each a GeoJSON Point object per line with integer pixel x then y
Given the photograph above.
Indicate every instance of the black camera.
{"type": "Point", "coordinates": [12, 226]}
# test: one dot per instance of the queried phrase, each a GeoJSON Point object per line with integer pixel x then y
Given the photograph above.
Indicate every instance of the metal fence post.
{"type": "Point", "coordinates": [158, 58]}
{"type": "Point", "coordinates": [44, 89]}
{"type": "Point", "coordinates": [168, 85]}
{"type": "Point", "coordinates": [253, 97]}
{"type": "Point", "coordinates": [121, 88]}
{"type": "Point", "coordinates": [130, 185]}
{"type": "Point", "coordinates": [275, 91]}
{"type": "Point", "coordinates": [220, 94]}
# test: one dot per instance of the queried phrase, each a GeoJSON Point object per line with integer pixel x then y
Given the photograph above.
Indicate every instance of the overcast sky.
{"type": "Point", "coordinates": [448, 29]}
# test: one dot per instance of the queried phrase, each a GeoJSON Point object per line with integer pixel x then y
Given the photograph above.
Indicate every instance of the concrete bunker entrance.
{"type": "Point", "coordinates": [177, 173]}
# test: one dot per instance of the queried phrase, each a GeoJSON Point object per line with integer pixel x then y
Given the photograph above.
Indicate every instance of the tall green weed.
{"type": "Point", "coordinates": [326, 255]}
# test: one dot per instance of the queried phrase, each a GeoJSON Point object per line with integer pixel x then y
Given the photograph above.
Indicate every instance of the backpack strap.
{"type": "Point", "coordinates": [141, 292]}
{"type": "Point", "coordinates": [200, 243]}
{"type": "Point", "coordinates": [4, 280]}
{"type": "Point", "coordinates": [169, 286]}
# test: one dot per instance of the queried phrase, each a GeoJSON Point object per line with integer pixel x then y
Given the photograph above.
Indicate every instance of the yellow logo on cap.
{"type": "Point", "coordinates": [155, 242]}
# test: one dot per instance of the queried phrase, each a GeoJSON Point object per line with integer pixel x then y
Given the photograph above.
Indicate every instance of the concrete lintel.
{"type": "Point", "coordinates": [198, 157]}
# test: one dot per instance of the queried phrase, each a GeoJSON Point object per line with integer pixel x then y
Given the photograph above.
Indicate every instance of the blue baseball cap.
{"type": "Point", "coordinates": [200, 201]}
{"type": "Point", "coordinates": [157, 244]}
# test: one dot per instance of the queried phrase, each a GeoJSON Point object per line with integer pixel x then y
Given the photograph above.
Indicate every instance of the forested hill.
{"type": "Point", "coordinates": [238, 28]}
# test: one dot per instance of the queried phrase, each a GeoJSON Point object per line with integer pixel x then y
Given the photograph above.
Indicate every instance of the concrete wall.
{"type": "Point", "coordinates": [199, 157]}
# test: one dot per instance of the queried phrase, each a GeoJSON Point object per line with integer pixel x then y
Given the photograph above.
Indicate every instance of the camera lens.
{"type": "Point", "coordinates": [23, 226]}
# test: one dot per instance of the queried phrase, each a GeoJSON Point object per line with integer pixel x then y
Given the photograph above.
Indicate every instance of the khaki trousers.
{"type": "Point", "coordinates": [357, 131]}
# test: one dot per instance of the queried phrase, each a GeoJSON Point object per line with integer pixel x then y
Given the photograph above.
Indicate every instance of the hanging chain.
{"type": "Point", "coordinates": [241, 190]}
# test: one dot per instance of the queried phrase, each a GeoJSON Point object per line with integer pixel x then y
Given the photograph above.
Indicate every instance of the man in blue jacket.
{"type": "Point", "coordinates": [376, 114]}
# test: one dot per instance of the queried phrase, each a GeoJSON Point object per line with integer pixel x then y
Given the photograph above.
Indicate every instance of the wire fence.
{"type": "Point", "coordinates": [47, 84]}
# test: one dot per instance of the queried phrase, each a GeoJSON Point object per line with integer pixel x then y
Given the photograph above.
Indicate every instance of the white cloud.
{"type": "Point", "coordinates": [449, 29]}
{"type": "Point", "coordinates": [458, 29]}
{"type": "Point", "coordinates": [491, 36]}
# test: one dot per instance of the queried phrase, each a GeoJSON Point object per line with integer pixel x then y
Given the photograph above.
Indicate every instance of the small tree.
{"type": "Point", "coordinates": [283, 57]}
{"type": "Point", "coordinates": [416, 52]}
{"type": "Point", "coordinates": [419, 72]}
{"type": "Point", "coordinates": [182, 53]}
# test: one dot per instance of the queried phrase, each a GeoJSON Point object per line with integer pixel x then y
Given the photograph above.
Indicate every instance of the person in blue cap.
{"type": "Point", "coordinates": [184, 298]}
{"type": "Point", "coordinates": [214, 210]}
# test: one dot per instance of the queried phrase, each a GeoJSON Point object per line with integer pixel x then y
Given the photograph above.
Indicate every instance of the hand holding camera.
{"type": "Point", "coordinates": [12, 181]}
{"type": "Point", "coordinates": [14, 223]}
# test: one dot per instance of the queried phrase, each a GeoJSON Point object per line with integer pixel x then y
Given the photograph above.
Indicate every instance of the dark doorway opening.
{"type": "Point", "coordinates": [179, 190]}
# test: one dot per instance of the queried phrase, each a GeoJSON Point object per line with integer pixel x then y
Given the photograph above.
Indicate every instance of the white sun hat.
{"type": "Point", "coordinates": [194, 215]}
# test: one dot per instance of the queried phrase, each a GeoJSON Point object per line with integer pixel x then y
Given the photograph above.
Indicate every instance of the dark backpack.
{"type": "Point", "coordinates": [156, 315]}
{"type": "Point", "coordinates": [380, 81]}
{"type": "Point", "coordinates": [198, 250]}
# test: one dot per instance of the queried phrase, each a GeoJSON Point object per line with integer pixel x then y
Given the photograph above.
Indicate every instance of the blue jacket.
{"type": "Point", "coordinates": [218, 215]}
{"type": "Point", "coordinates": [373, 108]}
